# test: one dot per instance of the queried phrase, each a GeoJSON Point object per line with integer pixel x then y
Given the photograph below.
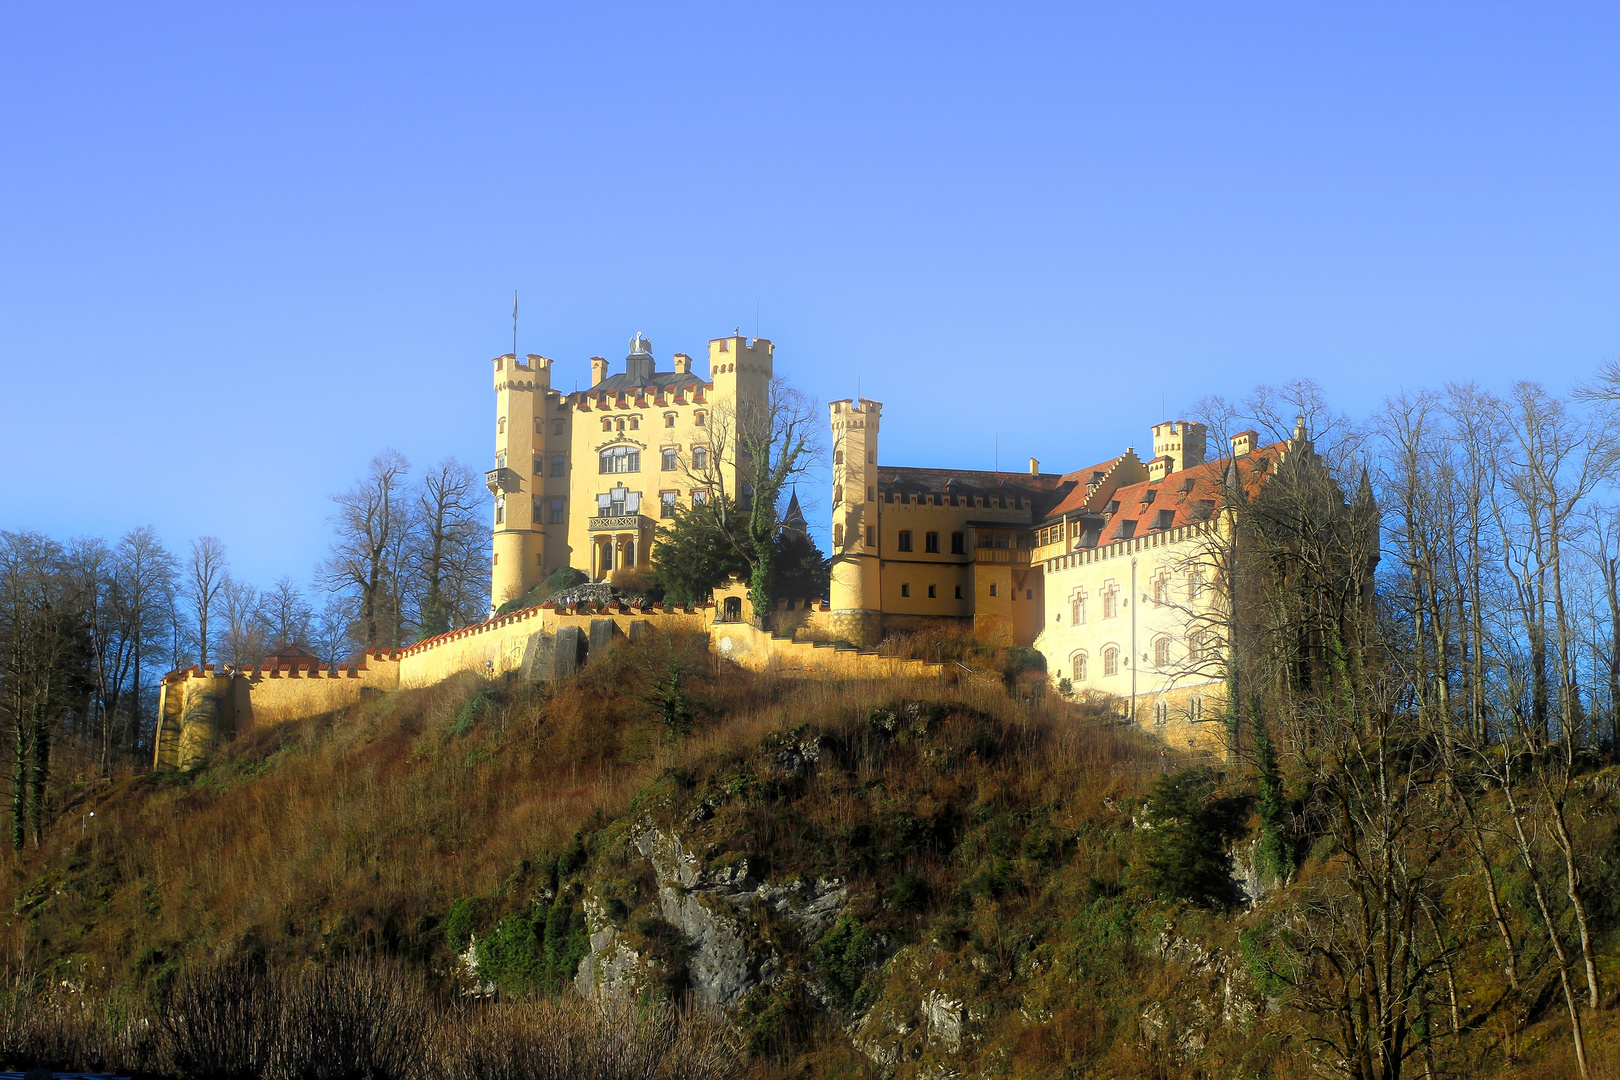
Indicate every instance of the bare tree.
{"type": "Point", "coordinates": [205, 576]}
{"type": "Point", "coordinates": [244, 626]}
{"type": "Point", "coordinates": [371, 524]}
{"type": "Point", "coordinates": [449, 523]}
{"type": "Point", "coordinates": [286, 614]}
{"type": "Point", "coordinates": [147, 574]}
{"type": "Point", "coordinates": [768, 444]}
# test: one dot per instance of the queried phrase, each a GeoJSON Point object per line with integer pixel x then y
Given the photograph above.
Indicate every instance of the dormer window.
{"type": "Point", "coordinates": [1164, 519]}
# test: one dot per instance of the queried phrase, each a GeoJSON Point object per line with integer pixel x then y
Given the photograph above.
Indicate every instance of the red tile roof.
{"type": "Point", "coordinates": [1185, 497]}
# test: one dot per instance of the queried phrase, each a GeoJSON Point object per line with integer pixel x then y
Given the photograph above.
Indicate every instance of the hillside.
{"type": "Point", "coordinates": [905, 878]}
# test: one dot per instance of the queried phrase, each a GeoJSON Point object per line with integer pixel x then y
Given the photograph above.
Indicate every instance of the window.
{"type": "Point", "coordinates": [635, 423]}
{"type": "Point", "coordinates": [904, 541]}
{"type": "Point", "coordinates": [1111, 602]}
{"type": "Point", "coordinates": [871, 536]}
{"type": "Point", "coordinates": [700, 497]}
{"type": "Point", "coordinates": [1195, 708]}
{"type": "Point", "coordinates": [1001, 539]}
{"type": "Point", "coordinates": [1195, 581]}
{"type": "Point", "coordinates": [666, 503]}
{"type": "Point", "coordinates": [621, 459]}
{"type": "Point", "coordinates": [1161, 589]}
{"type": "Point", "coordinates": [500, 511]}
{"type": "Point", "coordinates": [1110, 661]}
{"type": "Point", "coordinates": [986, 540]}
{"type": "Point", "coordinates": [697, 418]}
{"type": "Point", "coordinates": [607, 425]}
{"type": "Point", "coordinates": [1077, 608]}
{"type": "Point", "coordinates": [539, 466]}
{"type": "Point", "coordinates": [671, 459]}
{"type": "Point", "coordinates": [619, 426]}
{"type": "Point", "coordinates": [838, 456]}
{"type": "Point", "coordinates": [959, 592]}
{"type": "Point", "coordinates": [958, 543]}
{"type": "Point", "coordinates": [870, 495]}
{"type": "Point", "coordinates": [700, 457]}
{"type": "Point", "coordinates": [618, 502]}
{"type": "Point", "coordinates": [838, 535]}
{"type": "Point", "coordinates": [905, 590]}
{"type": "Point", "coordinates": [1079, 667]}
{"type": "Point", "coordinates": [556, 427]}
{"type": "Point", "coordinates": [500, 426]}
{"type": "Point", "coordinates": [931, 543]}
{"type": "Point", "coordinates": [992, 590]}
{"type": "Point", "coordinates": [1029, 594]}
{"type": "Point", "coordinates": [1161, 652]}
{"type": "Point", "coordinates": [669, 419]}
{"type": "Point", "coordinates": [932, 592]}
{"type": "Point", "coordinates": [559, 466]}
{"type": "Point", "coordinates": [539, 427]}
{"type": "Point", "coordinates": [1161, 712]}
{"type": "Point", "coordinates": [559, 511]}
{"type": "Point", "coordinates": [838, 493]}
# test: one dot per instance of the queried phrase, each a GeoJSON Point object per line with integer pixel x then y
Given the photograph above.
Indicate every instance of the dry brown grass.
{"type": "Point", "coordinates": [352, 1019]}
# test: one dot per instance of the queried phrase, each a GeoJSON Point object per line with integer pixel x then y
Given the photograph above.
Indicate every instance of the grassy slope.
{"type": "Point", "coordinates": [988, 843]}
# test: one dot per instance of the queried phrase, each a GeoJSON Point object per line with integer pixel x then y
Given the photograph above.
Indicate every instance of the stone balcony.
{"type": "Point", "coordinates": [624, 523]}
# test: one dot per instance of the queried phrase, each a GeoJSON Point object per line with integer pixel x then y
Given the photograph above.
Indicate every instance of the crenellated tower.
{"type": "Point", "coordinates": [518, 480]}
{"type": "Point", "coordinates": [856, 604]}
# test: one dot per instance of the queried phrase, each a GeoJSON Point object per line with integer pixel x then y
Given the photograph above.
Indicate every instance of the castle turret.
{"type": "Point", "coordinates": [517, 482]}
{"type": "Point", "coordinates": [856, 616]}
{"type": "Point", "coordinates": [741, 371]}
{"type": "Point", "coordinates": [1182, 441]}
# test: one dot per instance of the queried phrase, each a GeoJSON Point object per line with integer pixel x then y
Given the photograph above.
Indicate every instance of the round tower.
{"type": "Point", "coordinates": [857, 615]}
{"type": "Point", "coordinates": [517, 482]}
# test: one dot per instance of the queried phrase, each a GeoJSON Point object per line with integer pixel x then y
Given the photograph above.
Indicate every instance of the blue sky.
{"type": "Point", "coordinates": [245, 246]}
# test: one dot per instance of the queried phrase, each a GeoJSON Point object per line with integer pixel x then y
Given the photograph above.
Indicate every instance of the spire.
{"type": "Point", "coordinates": [794, 518]}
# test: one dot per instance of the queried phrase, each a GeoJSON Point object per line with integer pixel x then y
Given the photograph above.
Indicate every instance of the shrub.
{"type": "Point", "coordinates": [1187, 857]}
{"type": "Point", "coordinates": [842, 957]}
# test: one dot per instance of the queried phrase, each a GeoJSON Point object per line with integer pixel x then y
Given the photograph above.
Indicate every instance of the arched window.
{"type": "Point", "coordinates": [500, 426]}
{"type": "Point", "coordinates": [1111, 661]}
{"type": "Point", "coordinates": [1079, 667]}
{"type": "Point", "coordinates": [697, 419]}
{"type": "Point", "coordinates": [607, 424]}
{"type": "Point", "coordinates": [1195, 645]}
{"type": "Point", "coordinates": [629, 557]}
{"type": "Point", "coordinates": [1111, 601]}
{"type": "Point", "coordinates": [669, 419]}
{"type": "Point", "coordinates": [1195, 708]}
{"type": "Point", "coordinates": [635, 423]}
{"type": "Point", "coordinates": [1161, 712]}
{"type": "Point", "coordinates": [1161, 652]}
{"type": "Point", "coordinates": [838, 456]}
{"type": "Point", "coordinates": [1161, 589]}
{"type": "Point", "coordinates": [1077, 608]}
{"type": "Point", "coordinates": [1195, 581]}
{"type": "Point", "coordinates": [838, 493]}
{"type": "Point", "coordinates": [619, 426]}
{"type": "Point", "coordinates": [838, 535]}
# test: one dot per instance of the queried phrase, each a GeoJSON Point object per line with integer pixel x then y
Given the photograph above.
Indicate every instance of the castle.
{"type": "Point", "coordinates": [581, 479]}
{"type": "Point", "coordinates": [1108, 571]}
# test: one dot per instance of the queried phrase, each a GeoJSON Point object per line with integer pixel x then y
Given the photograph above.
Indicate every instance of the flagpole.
{"type": "Point", "coordinates": [514, 326]}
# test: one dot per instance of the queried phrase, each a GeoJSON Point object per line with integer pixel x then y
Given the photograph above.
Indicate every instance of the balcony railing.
{"type": "Point", "coordinates": [502, 480]}
{"type": "Point", "coordinates": [621, 523]}
{"type": "Point", "coordinates": [1014, 556]}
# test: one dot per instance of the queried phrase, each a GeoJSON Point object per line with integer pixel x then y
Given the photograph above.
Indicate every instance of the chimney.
{"type": "Point", "coordinates": [1034, 467]}
{"type": "Point", "coordinates": [599, 366]}
{"type": "Point", "coordinates": [1243, 442]}
{"type": "Point", "coordinates": [683, 364]}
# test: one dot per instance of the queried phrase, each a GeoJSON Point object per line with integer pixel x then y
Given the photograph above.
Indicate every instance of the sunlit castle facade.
{"type": "Point", "coordinates": [584, 478]}
{"type": "Point", "coordinates": [1106, 570]}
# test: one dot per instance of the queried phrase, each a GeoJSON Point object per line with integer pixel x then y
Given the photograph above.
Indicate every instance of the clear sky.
{"type": "Point", "coordinates": [245, 246]}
